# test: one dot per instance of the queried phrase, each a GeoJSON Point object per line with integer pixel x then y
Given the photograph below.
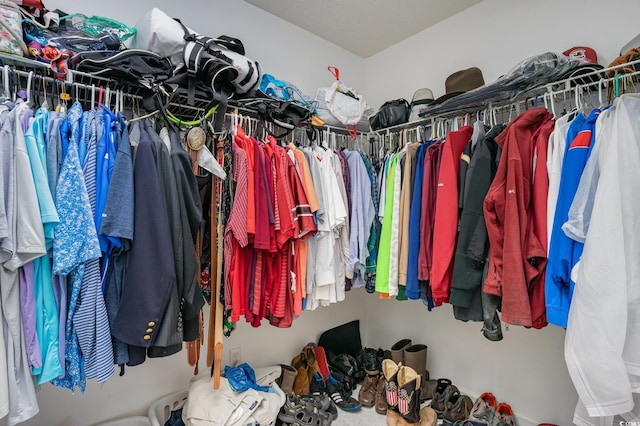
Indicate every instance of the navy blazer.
{"type": "Point", "coordinates": [150, 273]}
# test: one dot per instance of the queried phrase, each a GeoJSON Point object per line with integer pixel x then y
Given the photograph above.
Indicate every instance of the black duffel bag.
{"type": "Point", "coordinates": [132, 67]}
{"type": "Point", "coordinates": [391, 113]}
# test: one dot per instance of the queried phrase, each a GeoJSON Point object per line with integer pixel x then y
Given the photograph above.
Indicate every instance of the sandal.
{"type": "Point", "coordinates": [322, 402]}
{"type": "Point", "coordinates": [295, 412]}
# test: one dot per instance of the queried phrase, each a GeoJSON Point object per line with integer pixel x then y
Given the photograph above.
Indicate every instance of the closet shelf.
{"type": "Point", "coordinates": [596, 81]}
{"type": "Point", "coordinates": [178, 106]}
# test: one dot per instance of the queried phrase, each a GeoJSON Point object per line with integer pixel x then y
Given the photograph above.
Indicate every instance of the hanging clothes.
{"type": "Point", "coordinates": [516, 256]}
{"type": "Point", "coordinates": [361, 219]}
{"type": "Point", "coordinates": [384, 253]}
{"type": "Point", "coordinates": [46, 311]}
{"type": "Point", "coordinates": [412, 290]}
{"type": "Point", "coordinates": [406, 196]}
{"type": "Point", "coordinates": [604, 307]}
{"type": "Point", "coordinates": [91, 318]}
{"type": "Point", "coordinates": [374, 232]}
{"type": "Point", "coordinates": [23, 241]}
{"type": "Point", "coordinates": [117, 222]}
{"type": "Point", "coordinates": [148, 279]}
{"type": "Point", "coordinates": [564, 252]}
{"type": "Point", "coordinates": [170, 331]}
{"type": "Point", "coordinates": [446, 214]}
{"type": "Point", "coordinates": [76, 242]}
{"type": "Point", "coordinates": [427, 217]}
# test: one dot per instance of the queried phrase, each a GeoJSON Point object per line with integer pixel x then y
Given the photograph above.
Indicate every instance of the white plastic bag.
{"type": "Point", "coordinates": [340, 103]}
{"type": "Point", "coordinates": [345, 104]}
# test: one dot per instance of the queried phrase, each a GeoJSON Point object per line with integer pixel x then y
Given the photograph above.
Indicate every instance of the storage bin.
{"type": "Point", "coordinates": [128, 421]}
{"type": "Point", "coordinates": [160, 411]}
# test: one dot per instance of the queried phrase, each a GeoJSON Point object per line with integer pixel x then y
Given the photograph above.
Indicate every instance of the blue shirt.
{"type": "Point", "coordinates": [412, 290]}
{"type": "Point", "coordinates": [46, 311]}
{"type": "Point", "coordinates": [564, 252]}
{"type": "Point", "coordinates": [107, 148]}
{"type": "Point", "coordinates": [75, 242]}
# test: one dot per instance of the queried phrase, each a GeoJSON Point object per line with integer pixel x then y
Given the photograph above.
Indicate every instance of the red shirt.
{"type": "Point", "coordinates": [427, 215]}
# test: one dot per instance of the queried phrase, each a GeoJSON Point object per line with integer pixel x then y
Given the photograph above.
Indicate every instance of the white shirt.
{"type": "Point", "coordinates": [602, 345]}
{"type": "Point", "coordinates": [555, 156]}
{"type": "Point", "coordinates": [394, 260]}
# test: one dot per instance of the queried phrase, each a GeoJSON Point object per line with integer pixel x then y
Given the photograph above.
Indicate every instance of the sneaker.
{"type": "Point", "coordinates": [432, 385]}
{"type": "Point", "coordinates": [438, 402]}
{"type": "Point", "coordinates": [485, 407]}
{"type": "Point", "coordinates": [340, 396]}
{"type": "Point", "coordinates": [504, 415]}
{"type": "Point", "coordinates": [457, 406]}
{"type": "Point", "coordinates": [343, 363]}
{"type": "Point", "coordinates": [321, 359]}
{"type": "Point", "coordinates": [318, 389]}
{"type": "Point", "coordinates": [367, 394]}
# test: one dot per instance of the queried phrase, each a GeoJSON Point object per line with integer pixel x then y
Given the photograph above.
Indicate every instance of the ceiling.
{"type": "Point", "coordinates": [364, 27]}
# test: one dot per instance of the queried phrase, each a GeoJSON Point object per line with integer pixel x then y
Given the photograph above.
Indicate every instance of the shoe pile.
{"type": "Point", "coordinates": [332, 384]}
{"type": "Point", "coordinates": [486, 408]}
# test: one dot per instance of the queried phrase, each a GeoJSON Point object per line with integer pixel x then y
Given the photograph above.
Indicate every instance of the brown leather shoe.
{"type": "Point", "coordinates": [367, 394]}
{"type": "Point", "coordinates": [381, 399]}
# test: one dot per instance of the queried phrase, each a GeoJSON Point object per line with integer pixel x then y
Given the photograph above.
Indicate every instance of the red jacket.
{"type": "Point", "coordinates": [445, 228]}
{"type": "Point", "coordinates": [517, 256]}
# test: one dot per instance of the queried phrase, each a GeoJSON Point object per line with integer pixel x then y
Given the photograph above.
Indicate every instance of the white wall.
{"type": "Point", "coordinates": [495, 35]}
{"type": "Point", "coordinates": [288, 52]}
{"type": "Point", "coordinates": [527, 369]}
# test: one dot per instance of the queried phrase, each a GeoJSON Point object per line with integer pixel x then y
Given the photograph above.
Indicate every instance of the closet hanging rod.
{"type": "Point", "coordinates": [73, 84]}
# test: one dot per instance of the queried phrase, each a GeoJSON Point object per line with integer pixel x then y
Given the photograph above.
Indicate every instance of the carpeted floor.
{"type": "Point", "coordinates": [364, 417]}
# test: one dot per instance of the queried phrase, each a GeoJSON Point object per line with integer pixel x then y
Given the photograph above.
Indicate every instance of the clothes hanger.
{"type": "Point", "coordinates": [65, 97]}
{"type": "Point", "coordinates": [45, 103]}
{"type": "Point", "coordinates": [6, 94]}
{"type": "Point", "coordinates": [577, 98]}
{"type": "Point", "coordinates": [107, 98]}
{"type": "Point", "coordinates": [552, 104]}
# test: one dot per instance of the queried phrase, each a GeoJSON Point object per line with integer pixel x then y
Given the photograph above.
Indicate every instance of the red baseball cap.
{"type": "Point", "coordinates": [584, 54]}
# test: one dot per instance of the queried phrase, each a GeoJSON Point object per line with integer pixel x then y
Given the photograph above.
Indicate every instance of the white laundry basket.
{"type": "Point", "coordinates": [128, 421]}
{"type": "Point", "coordinates": [160, 411]}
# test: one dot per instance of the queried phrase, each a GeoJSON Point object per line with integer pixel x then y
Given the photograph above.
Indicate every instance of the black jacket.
{"type": "Point", "coordinates": [473, 242]}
